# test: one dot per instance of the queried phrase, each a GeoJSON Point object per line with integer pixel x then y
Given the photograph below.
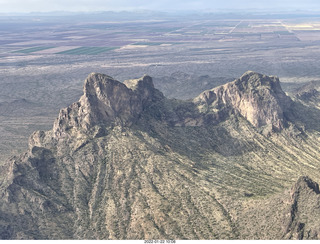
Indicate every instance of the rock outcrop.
{"type": "Point", "coordinates": [292, 214]}
{"type": "Point", "coordinates": [258, 98]}
{"type": "Point", "coordinates": [303, 215]}
{"type": "Point", "coordinates": [309, 94]}
{"type": "Point", "coordinates": [106, 101]}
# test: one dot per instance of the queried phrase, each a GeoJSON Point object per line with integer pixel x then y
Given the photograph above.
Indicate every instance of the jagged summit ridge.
{"type": "Point", "coordinates": [304, 201]}
{"type": "Point", "coordinates": [104, 101]}
{"type": "Point", "coordinates": [258, 98]}
{"type": "Point", "coordinates": [304, 183]}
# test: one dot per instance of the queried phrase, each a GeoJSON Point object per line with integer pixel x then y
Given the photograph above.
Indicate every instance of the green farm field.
{"type": "Point", "coordinates": [88, 50]}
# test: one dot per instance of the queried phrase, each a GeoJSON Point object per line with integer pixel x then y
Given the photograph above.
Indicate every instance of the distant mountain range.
{"type": "Point", "coordinates": [143, 13]}
{"type": "Point", "coordinates": [238, 161]}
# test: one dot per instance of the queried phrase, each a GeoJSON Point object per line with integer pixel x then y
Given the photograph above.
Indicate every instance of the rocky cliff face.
{"type": "Point", "coordinates": [256, 97]}
{"type": "Point", "coordinates": [106, 101]}
{"type": "Point", "coordinates": [293, 214]}
{"type": "Point", "coordinates": [302, 222]}
{"type": "Point", "coordinates": [309, 94]}
{"type": "Point", "coordinates": [124, 162]}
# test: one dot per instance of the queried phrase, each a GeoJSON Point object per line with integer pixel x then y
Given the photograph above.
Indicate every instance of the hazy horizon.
{"type": "Point", "coordinates": [28, 6]}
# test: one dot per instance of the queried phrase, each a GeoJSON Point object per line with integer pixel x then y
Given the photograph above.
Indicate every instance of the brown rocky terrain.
{"type": "Point", "coordinates": [293, 214]}
{"type": "Point", "coordinates": [124, 162]}
{"type": "Point", "coordinates": [258, 98]}
{"type": "Point", "coordinates": [309, 94]}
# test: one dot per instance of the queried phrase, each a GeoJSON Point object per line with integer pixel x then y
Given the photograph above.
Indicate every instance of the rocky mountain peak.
{"type": "Point", "coordinates": [304, 201]}
{"type": "Point", "coordinates": [106, 101]}
{"type": "Point", "coordinates": [143, 86]}
{"type": "Point", "coordinates": [254, 80]}
{"type": "Point", "coordinates": [99, 85]}
{"type": "Point", "coordinates": [140, 83]}
{"type": "Point", "coordinates": [304, 183]}
{"type": "Point", "coordinates": [258, 98]}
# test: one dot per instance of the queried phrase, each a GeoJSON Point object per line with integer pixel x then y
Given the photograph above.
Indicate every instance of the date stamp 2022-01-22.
{"type": "Point", "coordinates": [159, 241]}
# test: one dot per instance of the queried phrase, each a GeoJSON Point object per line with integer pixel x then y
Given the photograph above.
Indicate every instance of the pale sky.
{"type": "Point", "coordinates": [7, 6]}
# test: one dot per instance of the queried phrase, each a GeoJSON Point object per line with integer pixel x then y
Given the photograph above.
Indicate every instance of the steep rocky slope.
{"type": "Point", "coordinates": [256, 97]}
{"type": "Point", "coordinates": [293, 214]}
{"type": "Point", "coordinates": [309, 94]}
{"type": "Point", "coordinates": [124, 162]}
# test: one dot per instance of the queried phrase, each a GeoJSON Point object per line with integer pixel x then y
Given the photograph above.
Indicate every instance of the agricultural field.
{"type": "Point", "coordinates": [45, 59]}
{"type": "Point", "coordinates": [68, 50]}
{"type": "Point", "coordinates": [87, 50]}
{"type": "Point", "coordinates": [32, 50]}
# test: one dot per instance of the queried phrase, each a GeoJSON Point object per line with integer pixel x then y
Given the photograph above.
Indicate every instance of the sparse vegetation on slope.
{"type": "Point", "coordinates": [127, 163]}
